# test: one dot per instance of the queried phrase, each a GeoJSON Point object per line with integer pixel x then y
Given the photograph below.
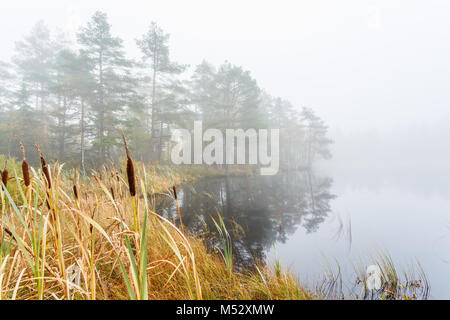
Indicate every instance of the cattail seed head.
{"type": "Point", "coordinates": [25, 169]}
{"type": "Point", "coordinates": [5, 177]}
{"type": "Point", "coordinates": [26, 173]}
{"type": "Point", "coordinates": [75, 192]}
{"type": "Point", "coordinates": [175, 192]}
{"type": "Point", "coordinates": [47, 176]}
{"type": "Point", "coordinates": [131, 177]}
{"type": "Point", "coordinates": [130, 169]}
{"type": "Point", "coordinates": [91, 227]}
{"type": "Point", "coordinates": [43, 163]}
{"type": "Point", "coordinates": [112, 194]}
{"type": "Point", "coordinates": [44, 166]}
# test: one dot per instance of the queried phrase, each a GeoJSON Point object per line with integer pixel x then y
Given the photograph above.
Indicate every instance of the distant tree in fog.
{"type": "Point", "coordinates": [73, 99]}
{"type": "Point", "coordinates": [227, 97]}
{"type": "Point", "coordinates": [317, 141]}
{"type": "Point", "coordinates": [165, 87]}
{"type": "Point", "coordinates": [111, 71]}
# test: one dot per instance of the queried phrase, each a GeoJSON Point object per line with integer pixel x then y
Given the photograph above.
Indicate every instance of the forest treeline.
{"type": "Point", "coordinates": [74, 97]}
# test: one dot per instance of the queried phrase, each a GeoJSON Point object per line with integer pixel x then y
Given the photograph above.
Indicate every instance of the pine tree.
{"type": "Point", "coordinates": [6, 78]}
{"type": "Point", "coordinates": [74, 101]}
{"type": "Point", "coordinates": [33, 60]}
{"type": "Point", "coordinates": [19, 115]}
{"type": "Point", "coordinates": [317, 141]}
{"type": "Point", "coordinates": [165, 89]}
{"type": "Point", "coordinates": [65, 88]}
{"type": "Point", "coordinates": [110, 69]}
{"type": "Point", "coordinates": [228, 97]}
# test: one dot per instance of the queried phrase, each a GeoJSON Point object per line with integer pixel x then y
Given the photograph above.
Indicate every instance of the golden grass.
{"type": "Point", "coordinates": [68, 237]}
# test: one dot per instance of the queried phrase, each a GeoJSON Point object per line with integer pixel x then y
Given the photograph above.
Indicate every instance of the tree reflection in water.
{"type": "Point", "coordinates": [258, 210]}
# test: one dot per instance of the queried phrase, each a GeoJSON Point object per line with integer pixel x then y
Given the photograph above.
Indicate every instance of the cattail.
{"type": "Point", "coordinates": [44, 166]}
{"type": "Point", "coordinates": [5, 177]}
{"type": "Point", "coordinates": [26, 173]}
{"type": "Point", "coordinates": [91, 227]}
{"type": "Point", "coordinates": [43, 163]}
{"type": "Point", "coordinates": [8, 231]}
{"type": "Point", "coordinates": [175, 193]}
{"type": "Point", "coordinates": [47, 176]}
{"type": "Point", "coordinates": [25, 169]}
{"type": "Point", "coordinates": [75, 192]}
{"type": "Point", "coordinates": [131, 178]}
{"type": "Point", "coordinates": [112, 194]}
{"type": "Point", "coordinates": [74, 187]}
{"type": "Point", "coordinates": [130, 169]}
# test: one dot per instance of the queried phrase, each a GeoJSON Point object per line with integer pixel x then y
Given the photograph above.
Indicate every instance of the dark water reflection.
{"type": "Point", "coordinates": [260, 210]}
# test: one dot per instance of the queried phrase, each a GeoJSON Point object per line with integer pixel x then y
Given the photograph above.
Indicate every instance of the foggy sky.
{"type": "Point", "coordinates": [362, 65]}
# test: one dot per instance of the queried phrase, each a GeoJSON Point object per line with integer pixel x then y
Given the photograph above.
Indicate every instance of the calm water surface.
{"type": "Point", "coordinates": [311, 219]}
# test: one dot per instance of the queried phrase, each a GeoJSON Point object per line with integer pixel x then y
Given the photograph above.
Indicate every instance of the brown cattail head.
{"type": "Point", "coordinates": [44, 166]}
{"type": "Point", "coordinates": [47, 176]}
{"type": "Point", "coordinates": [26, 173]}
{"type": "Point", "coordinates": [130, 169]}
{"type": "Point", "coordinates": [91, 228]}
{"type": "Point", "coordinates": [5, 177]}
{"type": "Point", "coordinates": [25, 169]}
{"type": "Point", "coordinates": [175, 192]}
{"type": "Point", "coordinates": [131, 177]}
{"type": "Point", "coordinates": [43, 163]}
{"type": "Point", "coordinates": [75, 192]}
{"type": "Point", "coordinates": [112, 194]}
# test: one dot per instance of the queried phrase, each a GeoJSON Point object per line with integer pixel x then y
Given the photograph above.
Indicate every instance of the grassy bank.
{"type": "Point", "coordinates": [69, 237]}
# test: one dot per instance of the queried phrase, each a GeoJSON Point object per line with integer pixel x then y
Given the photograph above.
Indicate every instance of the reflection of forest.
{"type": "Point", "coordinates": [268, 208]}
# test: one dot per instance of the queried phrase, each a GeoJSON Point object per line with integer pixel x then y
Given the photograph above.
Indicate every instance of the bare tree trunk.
{"type": "Point", "coordinates": [160, 140]}
{"type": "Point", "coordinates": [62, 141]}
{"type": "Point", "coordinates": [83, 169]}
{"type": "Point", "coordinates": [155, 67]}
{"type": "Point", "coordinates": [44, 113]}
{"type": "Point", "coordinates": [102, 111]}
{"type": "Point", "coordinates": [152, 135]}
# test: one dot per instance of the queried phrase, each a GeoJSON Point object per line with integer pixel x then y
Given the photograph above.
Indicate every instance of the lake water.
{"type": "Point", "coordinates": [344, 213]}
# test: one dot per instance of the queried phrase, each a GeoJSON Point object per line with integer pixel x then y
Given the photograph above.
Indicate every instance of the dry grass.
{"type": "Point", "coordinates": [68, 237]}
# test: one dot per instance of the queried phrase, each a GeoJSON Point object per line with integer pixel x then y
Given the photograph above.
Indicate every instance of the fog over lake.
{"type": "Point", "coordinates": [376, 72]}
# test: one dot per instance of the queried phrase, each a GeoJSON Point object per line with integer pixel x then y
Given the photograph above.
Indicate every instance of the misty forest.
{"type": "Point", "coordinates": [94, 207]}
{"type": "Point", "coordinates": [74, 98]}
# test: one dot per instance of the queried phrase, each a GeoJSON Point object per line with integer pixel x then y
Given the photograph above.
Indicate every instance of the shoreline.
{"type": "Point", "coordinates": [92, 233]}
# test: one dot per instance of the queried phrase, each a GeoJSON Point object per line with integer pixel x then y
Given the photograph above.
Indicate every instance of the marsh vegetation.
{"type": "Point", "coordinates": [65, 236]}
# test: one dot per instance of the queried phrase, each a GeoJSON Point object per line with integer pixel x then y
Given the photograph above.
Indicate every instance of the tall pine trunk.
{"type": "Point", "coordinates": [101, 119]}
{"type": "Point", "coordinates": [83, 169]}
{"type": "Point", "coordinates": [62, 137]}
{"type": "Point", "coordinates": [160, 140]}
{"type": "Point", "coordinates": [152, 135]}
